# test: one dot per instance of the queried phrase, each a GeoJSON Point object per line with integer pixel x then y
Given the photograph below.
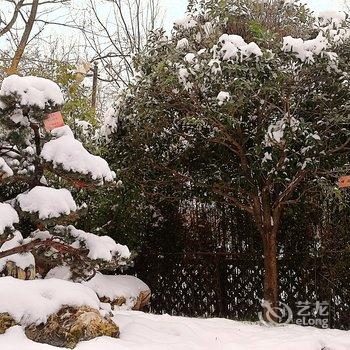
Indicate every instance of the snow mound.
{"type": "Point", "coordinates": [67, 152]}
{"type": "Point", "coordinates": [47, 202]}
{"type": "Point", "coordinates": [100, 247]}
{"type": "Point", "coordinates": [113, 287]}
{"type": "Point", "coordinates": [21, 260]}
{"type": "Point", "coordinates": [34, 301]}
{"type": "Point", "coordinates": [8, 217]}
{"type": "Point", "coordinates": [32, 91]}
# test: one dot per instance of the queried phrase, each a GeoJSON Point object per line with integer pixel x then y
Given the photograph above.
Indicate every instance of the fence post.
{"type": "Point", "coordinates": [94, 85]}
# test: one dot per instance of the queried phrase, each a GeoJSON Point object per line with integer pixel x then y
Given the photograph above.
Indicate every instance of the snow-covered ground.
{"type": "Point", "coordinates": [140, 331]}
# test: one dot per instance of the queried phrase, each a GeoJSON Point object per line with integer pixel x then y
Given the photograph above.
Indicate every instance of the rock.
{"type": "Point", "coordinates": [115, 302]}
{"type": "Point", "coordinates": [6, 321]}
{"type": "Point", "coordinates": [142, 300]}
{"type": "Point", "coordinates": [71, 325]}
{"type": "Point", "coordinates": [140, 303]}
{"type": "Point", "coordinates": [11, 269]}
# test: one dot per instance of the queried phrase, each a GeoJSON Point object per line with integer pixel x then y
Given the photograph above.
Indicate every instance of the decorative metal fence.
{"type": "Point", "coordinates": [230, 285]}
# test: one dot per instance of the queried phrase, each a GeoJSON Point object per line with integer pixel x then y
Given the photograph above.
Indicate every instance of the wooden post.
{"type": "Point", "coordinates": [94, 85]}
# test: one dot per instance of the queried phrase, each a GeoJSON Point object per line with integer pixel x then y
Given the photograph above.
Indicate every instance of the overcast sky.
{"type": "Point", "coordinates": [176, 8]}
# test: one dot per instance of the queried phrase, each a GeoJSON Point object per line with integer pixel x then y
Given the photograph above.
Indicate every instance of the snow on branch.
{"type": "Point", "coordinates": [46, 202]}
{"type": "Point", "coordinates": [65, 154]}
{"type": "Point", "coordinates": [8, 217]}
{"type": "Point", "coordinates": [31, 91]}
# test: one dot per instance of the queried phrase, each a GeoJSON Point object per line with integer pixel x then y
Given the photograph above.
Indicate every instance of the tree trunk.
{"type": "Point", "coordinates": [271, 274]}
{"type": "Point", "coordinates": [13, 69]}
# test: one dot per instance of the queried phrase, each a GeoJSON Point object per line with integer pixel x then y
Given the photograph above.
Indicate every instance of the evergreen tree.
{"type": "Point", "coordinates": [31, 160]}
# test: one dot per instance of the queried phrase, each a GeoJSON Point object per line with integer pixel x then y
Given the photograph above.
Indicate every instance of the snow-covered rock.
{"type": "Point", "coordinates": [34, 301]}
{"type": "Point", "coordinates": [71, 325]}
{"type": "Point", "coordinates": [112, 289]}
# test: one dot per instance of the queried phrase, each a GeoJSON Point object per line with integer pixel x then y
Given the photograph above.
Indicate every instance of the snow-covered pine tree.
{"type": "Point", "coordinates": [249, 101]}
{"type": "Point", "coordinates": [31, 159]}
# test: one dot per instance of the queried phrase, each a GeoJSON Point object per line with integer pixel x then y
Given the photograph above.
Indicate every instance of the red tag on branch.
{"type": "Point", "coordinates": [53, 120]}
{"type": "Point", "coordinates": [344, 181]}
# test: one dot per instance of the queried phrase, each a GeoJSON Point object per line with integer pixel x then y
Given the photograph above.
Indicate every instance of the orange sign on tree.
{"type": "Point", "coordinates": [344, 181]}
{"type": "Point", "coordinates": [53, 120]}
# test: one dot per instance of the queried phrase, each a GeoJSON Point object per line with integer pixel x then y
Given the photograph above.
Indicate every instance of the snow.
{"type": "Point", "coordinates": [110, 123]}
{"type": "Point", "coordinates": [182, 44]}
{"type": "Point", "coordinates": [21, 260]}
{"type": "Point", "coordinates": [275, 131]}
{"type": "Point", "coordinates": [42, 235]}
{"type": "Point", "coordinates": [235, 48]}
{"type": "Point", "coordinates": [140, 331]}
{"type": "Point", "coordinates": [60, 272]}
{"type": "Point", "coordinates": [5, 170]}
{"type": "Point", "coordinates": [267, 157]}
{"type": "Point", "coordinates": [183, 75]}
{"type": "Point", "coordinates": [215, 66]}
{"type": "Point", "coordinates": [306, 50]}
{"type": "Point", "coordinates": [67, 152]}
{"type": "Point", "coordinates": [113, 287]}
{"type": "Point", "coordinates": [190, 58]}
{"type": "Point", "coordinates": [186, 23]}
{"type": "Point", "coordinates": [183, 78]}
{"type": "Point", "coordinates": [85, 126]}
{"type": "Point", "coordinates": [100, 247]}
{"type": "Point", "coordinates": [8, 217]}
{"type": "Point", "coordinates": [333, 18]}
{"type": "Point", "coordinates": [222, 97]}
{"type": "Point", "coordinates": [32, 91]}
{"type": "Point", "coordinates": [36, 300]}
{"type": "Point", "coordinates": [47, 202]}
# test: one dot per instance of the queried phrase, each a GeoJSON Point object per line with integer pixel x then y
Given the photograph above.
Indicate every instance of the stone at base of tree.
{"type": "Point", "coordinates": [11, 269]}
{"type": "Point", "coordinates": [71, 325]}
{"type": "Point", "coordinates": [6, 321]}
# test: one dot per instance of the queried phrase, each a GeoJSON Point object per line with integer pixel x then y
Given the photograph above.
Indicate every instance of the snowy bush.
{"type": "Point", "coordinates": [247, 103]}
